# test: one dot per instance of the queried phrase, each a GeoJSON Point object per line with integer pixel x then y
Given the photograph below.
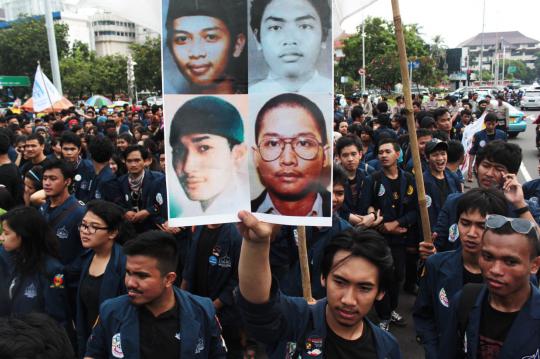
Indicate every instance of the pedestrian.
{"type": "Point", "coordinates": [355, 270]}
{"type": "Point", "coordinates": [155, 316]}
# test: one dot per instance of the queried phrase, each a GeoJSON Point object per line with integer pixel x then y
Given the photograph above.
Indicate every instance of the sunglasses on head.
{"type": "Point", "coordinates": [519, 225]}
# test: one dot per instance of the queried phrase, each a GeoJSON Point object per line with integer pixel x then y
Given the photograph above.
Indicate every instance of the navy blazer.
{"type": "Point", "coordinates": [406, 213]}
{"type": "Point", "coordinates": [43, 291]}
{"type": "Point", "coordinates": [84, 176]}
{"type": "Point", "coordinates": [200, 335]}
{"type": "Point", "coordinates": [222, 272]}
{"type": "Point", "coordinates": [348, 205]}
{"type": "Point", "coordinates": [443, 278]}
{"type": "Point", "coordinates": [286, 323]}
{"type": "Point", "coordinates": [434, 203]}
{"type": "Point", "coordinates": [112, 285]}
{"type": "Point", "coordinates": [96, 187]}
{"type": "Point", "coordinates": [522, 341]}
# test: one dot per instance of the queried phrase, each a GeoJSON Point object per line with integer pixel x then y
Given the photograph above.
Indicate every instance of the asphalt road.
{"type": "Point", "coordinates": [526, 140]}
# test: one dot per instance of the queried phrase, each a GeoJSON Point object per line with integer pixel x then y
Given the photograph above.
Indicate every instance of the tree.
{"type": "Point", "coordinates": [537, 65]}
{"type": "Point", "coordinates": [382, 59]}
{"type": "Point", "coordinates": [111, 75]}
{"type": "Point", "coordinates": [25, 43]}
{"type": "Point", "coordinates": [148, 68]}
{"type": "Point", "coordinates": [78, 71]}
{"type": "Point", "coordinates": [522, 72]}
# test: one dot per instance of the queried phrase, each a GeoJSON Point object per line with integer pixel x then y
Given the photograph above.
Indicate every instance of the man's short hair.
{"type": "Point", "coordinates": [5, 142]}
{"type": "Point", "coordinates": [229, 11]}
{"type": "Point", "coordinates": [293, 100]}
{"type": "Point", "coordinates": [391, 140]}
{"type": "Point", "coordinates": [133, 148]}
{"type": "Point", "coordinates": [347, 141]}
{"type": "Point", "coordinates": [37, 137]}
{"type": "Point", "coordinates": [321, 6]}
{"type": "Point", "coordinates": [207, 114]}
{"type": "Point", "coordinates": [438, 112]}
{"type": "Point", "coordinates": [367, 244]}
{"type": "Point", "coordinates": [155, 244]}
{"type": "Point", "coordinates": [101, 149]}
{"type": "Point", "coordinates": [70, 137]}
{"type": "Point", "coordinates": [484, 200]}
{"type": "Point", "coordinates": [466, 112]}
{"type": "Point", "coordinates": [33, 335]}
{"type": "Point", "coordinates": [357, 112]}
{"type": "Point", "coordinates": [532, 237]}
{"type": "Point", "coordinates": [382, 107]}
{"type": "Point", "coordinates": [67, 169]}
{"type": "Point", "coordinates": [339, 176]}
{"type": "Point", "coordinates": [455, 151]}
{"type": "Point", "coordinates": [126, 137]}
{"type": "Point", "coordinates": [490, 117]}
{"type": "Point", "coordinates": [501, 152]}
{"type": "Point", "coordinates": [423, 132]}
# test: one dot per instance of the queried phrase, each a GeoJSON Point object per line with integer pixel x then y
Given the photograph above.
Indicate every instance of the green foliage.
{"type": "Point", "coordinates": [25, 43]}
{"type": "Point", "coordinates": [148, 68]}
{"type": "Point", "coordinates": [382, 59]}
{"type": "Point", "coordinates": [523, 73]}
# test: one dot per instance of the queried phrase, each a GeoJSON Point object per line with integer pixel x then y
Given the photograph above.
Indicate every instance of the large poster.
{"type": "Point", "coordinates": [248, 110]}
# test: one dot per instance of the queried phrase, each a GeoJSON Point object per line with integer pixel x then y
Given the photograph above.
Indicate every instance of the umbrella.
{"type": "Point", "coordinates": [62, 104]}
{"type": "Point", "coordinates": [120, 103]}
{"type": "Point", "coordinates": [97, 101]}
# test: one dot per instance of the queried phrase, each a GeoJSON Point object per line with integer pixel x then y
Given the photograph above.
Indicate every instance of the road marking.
{"type": "Point", "coordinates": [525, 173]}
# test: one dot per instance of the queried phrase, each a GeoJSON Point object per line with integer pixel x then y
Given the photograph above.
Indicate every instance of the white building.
{"type": "Point", "coordinates": [513, 45]}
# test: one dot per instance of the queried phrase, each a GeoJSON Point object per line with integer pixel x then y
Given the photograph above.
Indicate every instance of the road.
{"type": "Point", "coordinates": [406, 336]}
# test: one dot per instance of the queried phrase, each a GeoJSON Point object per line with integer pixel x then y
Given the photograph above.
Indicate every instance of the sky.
{"type": "Point", "coordinates": [458, 20]}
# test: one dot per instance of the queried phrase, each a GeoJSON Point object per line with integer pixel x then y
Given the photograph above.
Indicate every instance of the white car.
{"type": "Point", "coordinates": [531, 98]}
{"type": "Point", "coordinates": [155, 100]}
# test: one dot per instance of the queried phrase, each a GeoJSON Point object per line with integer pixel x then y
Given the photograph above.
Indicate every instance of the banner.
{"type": "Point", "coordinates": [466, 141]}
{"type": "Point", "coordinates": [248, 110]}
{"type": "Point", "coordinates": [44, 94]}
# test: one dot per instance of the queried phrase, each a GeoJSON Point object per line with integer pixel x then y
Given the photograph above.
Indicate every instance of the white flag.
{"type": "Point", "coordinates": [466, 141]}
{"type": "Point", "coordinates": [44, 94]}
{"type": "Point", "coordinates": [343, 9]}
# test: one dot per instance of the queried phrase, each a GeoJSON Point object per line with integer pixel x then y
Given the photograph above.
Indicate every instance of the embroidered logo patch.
{"type": "Point", "coordinates": [314, 346]}
{"type": "Point", "coordinates": [410, 190]}
{"type": "Point", "coordinates": [428, 201]}
{"type": "Point", "coordinates": [58, 281]}
{"type": "Point", "coordinates": [62, 233]}
{"type": "Point", "coordinates": [30, 291]}
{"type": "Point", "coordinates": [116, 346]}
{"type": "Point", "coordinates": [159, 199]}
{"type": "Point", "coordinates": [382, 191]}
{"type": "Point", "coordinates": [453, 233]}
{"type": "Point", "coordinates": [200, 346]}
{"type": "Point", "coordinates": [225, 262]}
{"type": "Point", "coordinates": [443, 298]}
{"type": "Point", "coordinates": [533, 356]}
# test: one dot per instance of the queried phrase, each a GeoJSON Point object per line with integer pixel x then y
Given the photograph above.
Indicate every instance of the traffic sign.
{"type": "Point", "coordinates": [512, 69]}
{"type": "Point", "coordinates": [414, 64]}
{"type": "Point", "coordinates": [361, 71]}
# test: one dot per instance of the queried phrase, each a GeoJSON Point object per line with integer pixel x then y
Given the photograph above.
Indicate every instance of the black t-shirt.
{"type": "Point", "coordinates": [159, 336]}
{"type": "Point", "coordinates": [494, 327]}
{"type": "Point", "coordinates": [336, 347]}
{"type": "Point", "coordinates": [469, 277]}
{"type": "Point", "coordinates": [27, 166]}
{"type": "Point", "coordinates": [395, 190]}
{"type": "Point", "coordinates": [443, 189]}
{"type": "Point", "coordinates": [89, 292]}
{"type": "Point", "coordinates": [354, 190]}
{"type": "Point", "coordinates": [11, 178]}
{"type": "Point", "coordinates": [204, 258]}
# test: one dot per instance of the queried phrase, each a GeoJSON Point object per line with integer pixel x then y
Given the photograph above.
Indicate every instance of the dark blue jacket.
{"type": "Point", "coordinates": [447, 233]}
{"type": "Point", "coordinates": [531, 190]}
{"type": "Point", "coordinates": [112, 285]}
{"type": "Point", "coordinates": [522, 341]}
{"type": "Point", "coordinates": [316, 240]}
{"type": "Point", "coordinates": [84, 176]}
{"type": "Point", "coordinates": [158, 195]}
{"type": "Point", "coordinates": [96, 189]}
{"type": "Point", "coordinates": [443, 278]}
{"type": "Point", "coordinates": [286, 323]}
{"type": "Point", "coordinates": [433, 198]}
{"type": "Point", "coordinates": [43, 291]}
{"type": "Point", "coordinates": [222, 273]}
{"type": "Point", "coordinates": [200, 335]}
{"type": "Point", "coordinates": [480, 139]}
{"type": "Point", "coordinates": [348, 205]}
{"type": "Point", "coordinates": [410, 165]}
{"type": "Point", "coordinates": [406, 213]}
{"type": "Point", "coordinates": [67, 232]}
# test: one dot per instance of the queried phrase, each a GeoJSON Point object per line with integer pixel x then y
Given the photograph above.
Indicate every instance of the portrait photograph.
{"type": "Point", "coordinates": [290, 46]}
{"type": "Point", "coordinates": [204, 46]}
{"type": "Point", "coordinates": [290, 158]}
{"type": "Point", "coordinates": [206, 158]}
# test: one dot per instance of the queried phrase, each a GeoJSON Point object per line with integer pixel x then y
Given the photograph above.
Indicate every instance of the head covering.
{"type": "Point", "coordinates": [436, 145]}
{"type": "Point", "coordinates": [207, 114]}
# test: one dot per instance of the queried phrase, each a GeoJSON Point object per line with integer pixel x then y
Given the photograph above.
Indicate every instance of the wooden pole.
{"type": "Point", "coordinates": [420, 190]}
{"type": "Point", "coordinates": [304, 265]}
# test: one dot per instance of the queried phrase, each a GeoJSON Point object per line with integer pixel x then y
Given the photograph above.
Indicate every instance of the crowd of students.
{"type": "Point", "coordinates": [86, 241]}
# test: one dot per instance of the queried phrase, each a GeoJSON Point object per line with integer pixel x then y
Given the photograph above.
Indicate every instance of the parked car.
{"type": "Point", "coordinates": [517, 121]}
{"type": "Point", "coordinates": [530, 98]}
{"type": "Point", "coordinates": [155, 100]}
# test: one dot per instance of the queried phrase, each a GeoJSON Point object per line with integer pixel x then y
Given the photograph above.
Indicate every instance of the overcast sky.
{"type": "Point", "coordinates": [459, 20]}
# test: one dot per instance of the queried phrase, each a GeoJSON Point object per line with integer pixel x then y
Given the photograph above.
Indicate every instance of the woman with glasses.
{"type": "Point", "coordinates": [102, 229]}
{"type": "Point", "coordinates": [31, 276]}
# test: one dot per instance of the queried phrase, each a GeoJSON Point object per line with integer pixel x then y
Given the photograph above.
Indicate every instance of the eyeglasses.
{"type": "Point", "coordinates": [519, 225]}
{"type": "Point", "coordinates": [271, 148]}
{"type": "Point", "coordinates": [83, 227]}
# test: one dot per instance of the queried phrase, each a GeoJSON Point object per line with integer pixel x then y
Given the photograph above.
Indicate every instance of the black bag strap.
{"type": "Point", "coordinates": [469, 294]}
{"type": "Point", "coordinates": [63, 215]}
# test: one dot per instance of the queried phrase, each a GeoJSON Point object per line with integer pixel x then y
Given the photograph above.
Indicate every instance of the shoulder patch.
{"type": "Point", "coordinates": [410, 190]}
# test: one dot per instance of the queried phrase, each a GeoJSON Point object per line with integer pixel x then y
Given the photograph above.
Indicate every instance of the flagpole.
{"type": "Point", "coordinates": [46, 90]}
{"type": "Point", "coordinates": [420, 190]}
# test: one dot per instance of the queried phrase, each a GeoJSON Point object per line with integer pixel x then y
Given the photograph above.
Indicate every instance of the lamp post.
{"type": "Point", "coordinates": [364, 56]}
